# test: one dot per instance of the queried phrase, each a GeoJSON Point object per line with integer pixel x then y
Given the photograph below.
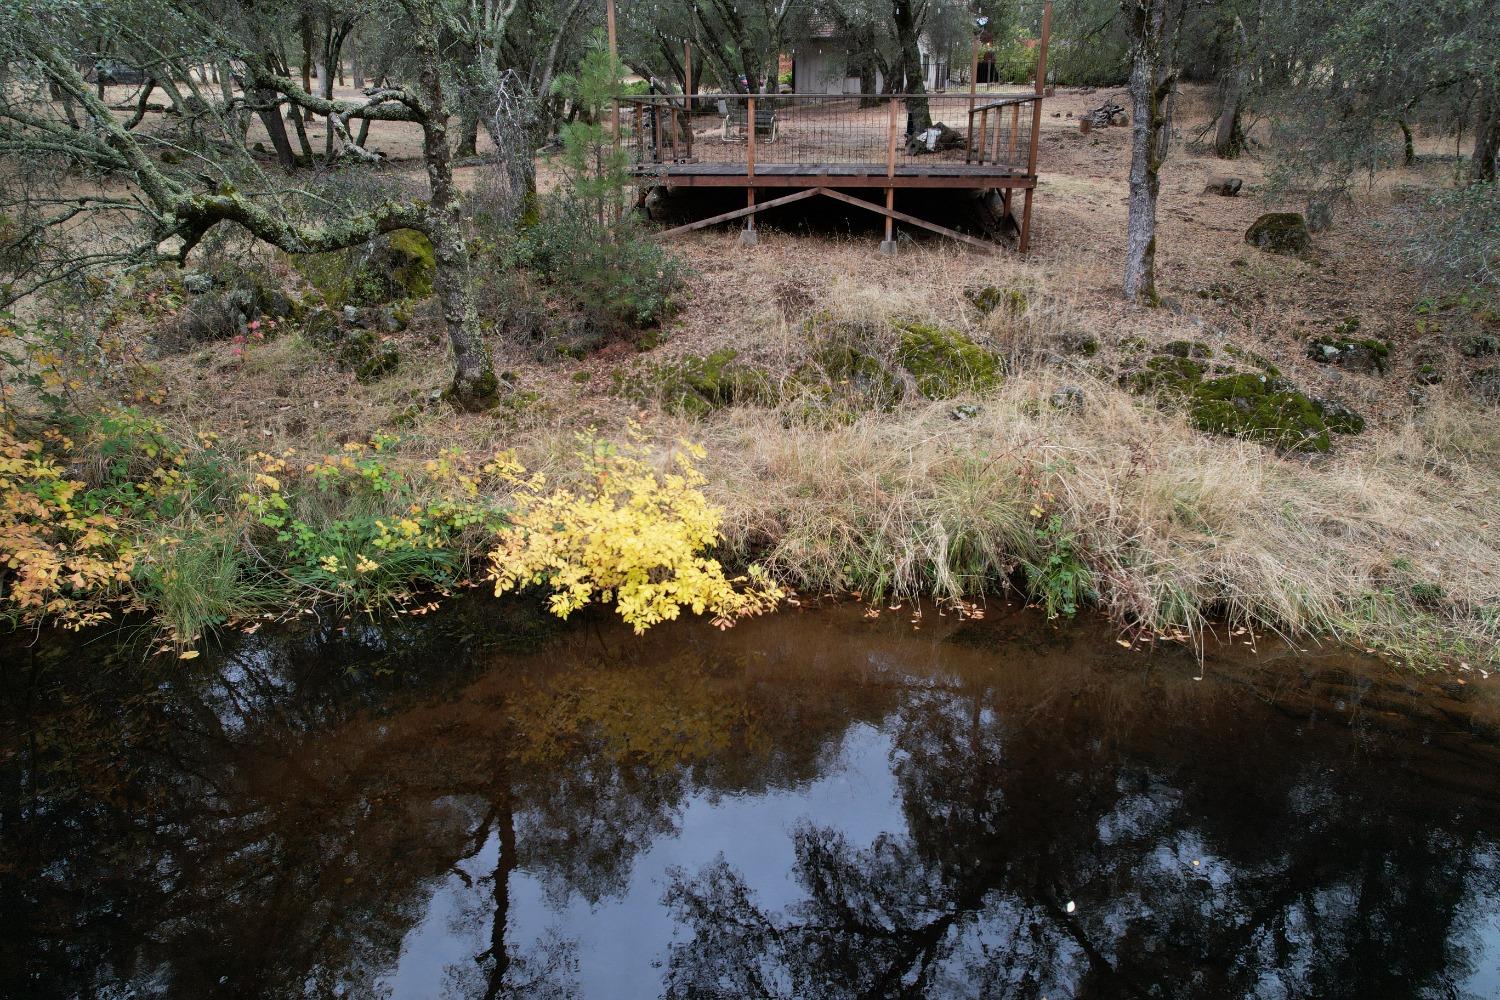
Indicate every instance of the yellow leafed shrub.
{"type": "Point", "coordinates": [631, 534]}
{"type": "Point", "coordinates": [56, 559]}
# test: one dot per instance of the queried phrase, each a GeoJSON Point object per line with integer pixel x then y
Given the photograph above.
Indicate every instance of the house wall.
{"type": "Point", "coordinates": [819, 69]}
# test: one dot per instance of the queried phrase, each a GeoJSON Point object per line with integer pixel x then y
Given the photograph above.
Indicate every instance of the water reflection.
{"type": "Point", "coordinates": [478, 804]}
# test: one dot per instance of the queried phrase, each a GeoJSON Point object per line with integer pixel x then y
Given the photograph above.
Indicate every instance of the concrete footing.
{"type": "Point", "coordinates": [887, 248]}
{"type": "Point", "coordinates": [747, 237]}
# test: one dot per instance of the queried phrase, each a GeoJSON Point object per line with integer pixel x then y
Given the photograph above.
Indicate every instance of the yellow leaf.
{"type": "Point", "coordinates": [188, 654]}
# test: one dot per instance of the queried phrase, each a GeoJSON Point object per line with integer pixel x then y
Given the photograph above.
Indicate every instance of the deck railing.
{"type": "Point", "coordinates": [883, 132]}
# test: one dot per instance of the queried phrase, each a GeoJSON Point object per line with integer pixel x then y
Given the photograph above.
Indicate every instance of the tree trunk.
{"type": "Point", "coordinates": [909, 69]}
{"type": "Point", "coordinates": [1408, 145]}
{"type": "Point", "coordinates": [275, 125]}
{"type": "Point", "coordinates": [301, 128]}
{"type": "Point", "coordinates": [307, 46]}
{"type": "Point", "coordinates": [1229, 141]}
{"type": "Point", "coordinates": [1151, 83]}
{"type": "Point", "coordinates": [1485, 166]}
{"type": "Point", "coordinates": [474, 384]}
{"type": "Point", "coordinates": [356, 67]}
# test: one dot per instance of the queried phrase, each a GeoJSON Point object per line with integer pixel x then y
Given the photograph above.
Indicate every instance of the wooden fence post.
{"type": "Point", "coordinates": [748, 236]}
{"type": "Point", "coordinates": [973, 86]}
{"type": "Point", "coordinates": [1036, 126]}
{"type": "Point", "coordinates": [889, 246]}
{"type": "Point", "coordinates": [614, 86]}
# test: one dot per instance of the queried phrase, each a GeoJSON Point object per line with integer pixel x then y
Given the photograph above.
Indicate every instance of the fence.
{"type": "Point", "coordinates": [900, 133]}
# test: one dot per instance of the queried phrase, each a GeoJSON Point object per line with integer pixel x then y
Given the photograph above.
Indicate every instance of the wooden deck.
{"type": "Point", "coordinates": [824, 145]}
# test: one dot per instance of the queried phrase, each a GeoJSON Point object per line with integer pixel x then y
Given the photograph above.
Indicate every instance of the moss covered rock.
{"type": "Point", "coordinates": [1481, 346]}
{"type": "Point", "coordinates": [1165, 374]}
{"type": "Point", "coordinates": [695, 385]}
{"type": "Point", "coordinates": [1368, 357]}
{"type": "Point", "coordinates": [1280, 232]}
{"type": "Point", "coordinates": [1339, 417]}
{"type": "Point", "coordinates": [989, 298]}
{"type": "Point", "coordinates": [944, 362]}
{"type": "Point", "coordinates": [399, 266]}
{"type": "Point", "coordinates": [1258, 408]}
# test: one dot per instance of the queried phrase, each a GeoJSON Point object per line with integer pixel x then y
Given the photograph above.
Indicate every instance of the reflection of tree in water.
{"type": "Point", "coordinates": [281, 826]}
{"type": "Point", "coordinates": [277, 825]}
{"type": "Point", "coordinates": [1317, 872]}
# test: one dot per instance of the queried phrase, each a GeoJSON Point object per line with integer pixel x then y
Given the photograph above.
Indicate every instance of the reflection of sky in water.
{"type": "Point", "coordinates": [1480, 915]}
{"type": "Point", "coordinates": [621, 939]}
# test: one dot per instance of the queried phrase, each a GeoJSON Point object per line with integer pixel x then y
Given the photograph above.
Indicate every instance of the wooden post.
{"type": "Point", "coordinates": [747, 238]}
{"type": "Point", "coordinates": [984, 131]}
{"type": "Point", "coordinates": [1036, 126]}
{"type": "Point", "coordinates": [614, 104]}
{"type": "Point", "coordinates": [750, 136]}
{"type": "Point", "coordinates": [1015, 132]}
{"type": "Point", "coordinates": [973, 86]}
{"type": "Point", "coordinates": [889, 246]}
{"type": "Point", "coordinates": [687, 90]}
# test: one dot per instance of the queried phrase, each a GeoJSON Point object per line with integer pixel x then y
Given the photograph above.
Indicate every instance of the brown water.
{"type": "Point", "coordinates": [814, 805]}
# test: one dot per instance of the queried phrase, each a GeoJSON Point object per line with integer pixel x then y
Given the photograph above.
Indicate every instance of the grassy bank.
{"type": "Point", "coordinates": [1390, 546]}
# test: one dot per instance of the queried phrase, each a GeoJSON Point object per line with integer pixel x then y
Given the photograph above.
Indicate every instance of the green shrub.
{"type": "Point", "coordinates": [619, 280]}
{"type": "Point", "coordinates": [1059, 579]}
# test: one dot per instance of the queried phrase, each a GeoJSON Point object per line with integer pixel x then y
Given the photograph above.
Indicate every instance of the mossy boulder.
{"type": "Point", "coordinates": [1338, 416]}
{"type": "Point", "coordinates": [401, 265]}
{"type": "Point", "coordinates": [1166, 375]}
{"type": "Point", "coordinates": [1367, 357]}
{"type": "Point", "coordinates": [944, 362]}
{"type": "Point", "coordinates": [366, 355]}
{"type": "Point", "coordinates": [1281, 233]}
{"type": "Point", "coordinates": [989, 298]}
{"type": "Point", "coordinates": [1258, 408]}
{"type": "Point", "coordinates": [1485, 385]}
{"type": "Point", "coordinates": [843, 372]}
{"type": "Point", "coordinates": [696, 386]}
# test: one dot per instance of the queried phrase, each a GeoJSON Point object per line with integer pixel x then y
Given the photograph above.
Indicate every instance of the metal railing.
{"type": "Point", "coordinates": [809, 130]}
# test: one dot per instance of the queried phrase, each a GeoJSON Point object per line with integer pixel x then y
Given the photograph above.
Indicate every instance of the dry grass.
{"type": "Point", "coordinates": [1180, 530]}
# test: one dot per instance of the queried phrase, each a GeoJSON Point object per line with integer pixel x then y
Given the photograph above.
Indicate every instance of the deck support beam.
{"type": "Point", "coordinates": [891, 216]}
{"type": "Point", "coordinates": [739, 213]}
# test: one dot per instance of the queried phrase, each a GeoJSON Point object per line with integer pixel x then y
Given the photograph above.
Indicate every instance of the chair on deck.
{"type": "Point", "coordinates": [737, 120]}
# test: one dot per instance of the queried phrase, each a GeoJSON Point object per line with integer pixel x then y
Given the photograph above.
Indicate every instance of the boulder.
{"type": "Point", "coordinates": [402, 265]}
{"type": "Point", "coordinates": [1226, 187]}
{"type": "Point", "coordinates": [1338, 416]}
{"type": "Point", "coordinates": [1364, 357]}
{"type": "Point", "coordinates": [1258, 408]}
{"type": "Point", "coordinates": [1480, 346]}
{"type": "Point", "coordinates": [1281, 233]}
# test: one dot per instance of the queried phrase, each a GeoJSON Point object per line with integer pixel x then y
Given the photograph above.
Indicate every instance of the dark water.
{"type": "Point", "coordinates": [813, 805]}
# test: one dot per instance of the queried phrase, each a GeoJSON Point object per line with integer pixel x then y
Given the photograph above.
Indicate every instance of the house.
{"type": "Point", "coordinates": [820, 62]}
